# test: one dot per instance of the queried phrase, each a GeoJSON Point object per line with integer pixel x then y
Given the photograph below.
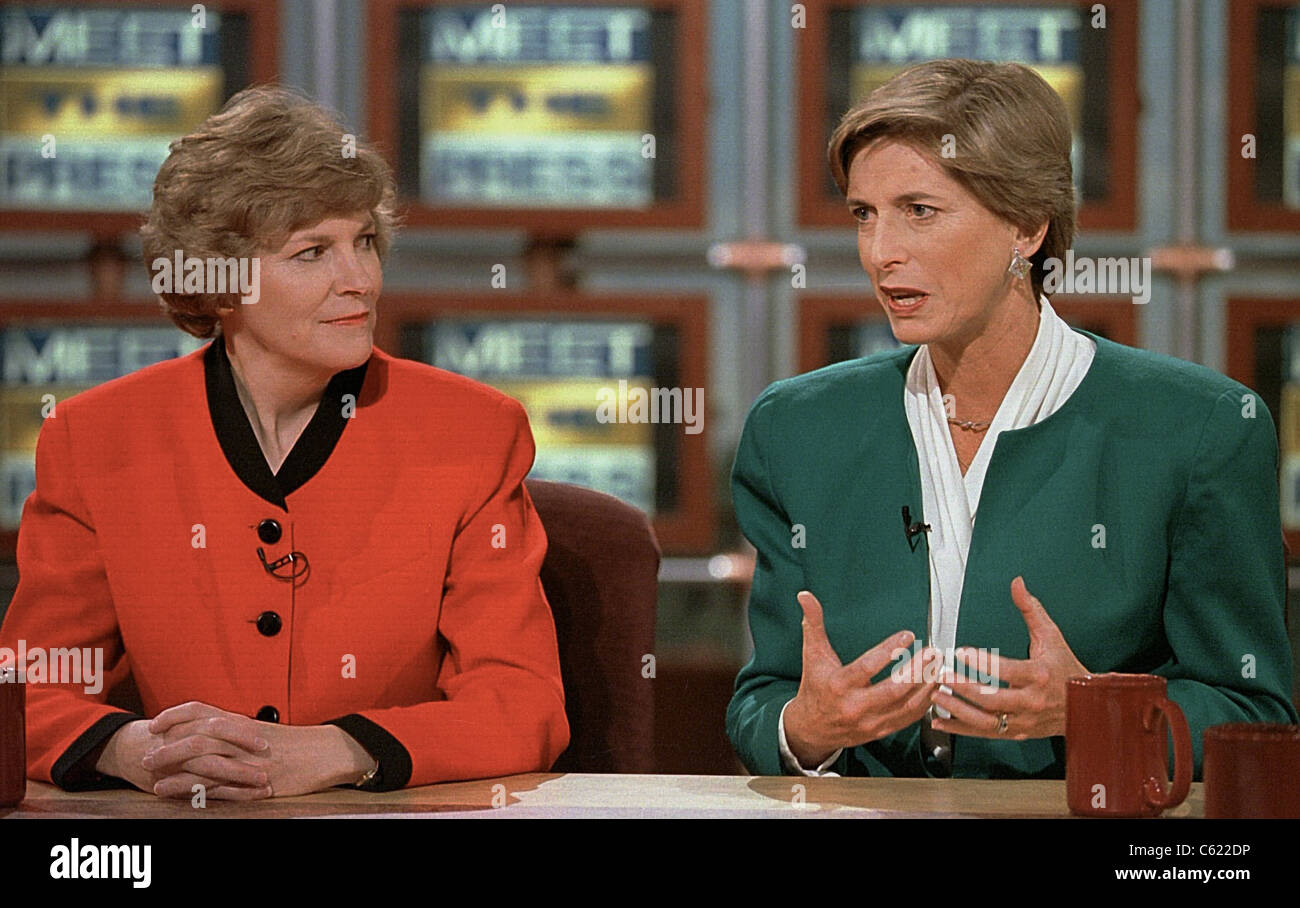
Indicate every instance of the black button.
{"type": "Point", "coordinates": [269, 624]}
{"type": "Point", "coordinates": [269, 531]}
{"type": "Point", "coordinates": [268, 714]}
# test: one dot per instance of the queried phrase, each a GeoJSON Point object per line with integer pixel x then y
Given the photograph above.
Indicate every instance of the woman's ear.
{"type": "Point", "coordinates": [1029, 243]}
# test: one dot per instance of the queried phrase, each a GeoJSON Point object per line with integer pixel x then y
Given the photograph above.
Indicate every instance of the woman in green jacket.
{"type": "Point", "coordinates": [1127, 502]}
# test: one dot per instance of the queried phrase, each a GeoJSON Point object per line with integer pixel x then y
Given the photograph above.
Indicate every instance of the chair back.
{"type": "Point", "coordinates": [601, 576]}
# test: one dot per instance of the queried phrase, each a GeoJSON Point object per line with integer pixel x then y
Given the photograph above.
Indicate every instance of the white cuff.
{"type": "Point", "coordinates": [791, 762]}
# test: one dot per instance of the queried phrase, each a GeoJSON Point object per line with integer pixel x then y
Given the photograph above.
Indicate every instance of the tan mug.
{"type": "Point", "coordinates": [1116, 747]}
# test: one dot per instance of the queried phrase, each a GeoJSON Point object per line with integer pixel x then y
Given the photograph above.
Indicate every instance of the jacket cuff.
{"type": "Point", "coordinates": [791, 763]}
{"type": "Point", "coordinates": [75, 770]}
{"type": "Point", "coordinates": [393, 757]}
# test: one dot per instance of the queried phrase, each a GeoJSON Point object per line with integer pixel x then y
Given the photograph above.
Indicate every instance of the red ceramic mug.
{"type": "Point", "coordinates": [1116, 749]}
{"type": "Point", "coordinates": [13, 739]}
{"type": "Point", "coordinates": [1252, 769]}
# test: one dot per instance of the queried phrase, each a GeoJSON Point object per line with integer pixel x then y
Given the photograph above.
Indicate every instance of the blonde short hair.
{"type": "Point", "coordinates": [1008, 127]}
{"type": "Point", "coordinates": [268, 163]}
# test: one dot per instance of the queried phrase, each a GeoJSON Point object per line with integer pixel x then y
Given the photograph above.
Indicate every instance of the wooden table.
{"type": "Point", "coordinates": [583, 795]}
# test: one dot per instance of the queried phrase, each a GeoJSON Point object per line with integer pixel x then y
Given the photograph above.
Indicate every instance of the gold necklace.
{"type": "Point", "coordinates": [971, 426]}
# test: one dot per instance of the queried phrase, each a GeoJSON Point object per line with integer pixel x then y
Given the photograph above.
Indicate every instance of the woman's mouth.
{"type": "Point", "coordinates": [351, 320]}
{"type": "Point", "coordinates": [904, 300]}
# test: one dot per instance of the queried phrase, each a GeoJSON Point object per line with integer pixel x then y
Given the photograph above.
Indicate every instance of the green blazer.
{"type": "Point", "coordinates": [1164, 454]}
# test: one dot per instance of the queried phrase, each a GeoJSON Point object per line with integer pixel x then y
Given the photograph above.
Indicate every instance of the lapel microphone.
{"type": "Point", "coordinates": [912, 529]}
{"type": "Point", "coordinates": [295, 561]}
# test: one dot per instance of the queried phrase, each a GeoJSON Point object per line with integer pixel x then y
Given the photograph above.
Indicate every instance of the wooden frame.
{"type": "Point", "coordinates": [691, 94]}
{"type": "Point", "coordinates": [1116, 212]}
{"type": "Point", "coordinates": [1244, 317]}
{"type": "Point", "coordinates": [818, 314]}
{"type": "Point", "coordinates": [690, 528]}
{"type": "Point", "coordinates": [263, 51]}
{"type": "Point", "coordinates": [1245, 212]}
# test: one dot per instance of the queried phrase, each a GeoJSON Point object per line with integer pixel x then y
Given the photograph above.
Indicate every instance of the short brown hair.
{"type": "Point", "coordinates": [268, 163]}
{"type": "Point", "coordinates": [1010, 130]}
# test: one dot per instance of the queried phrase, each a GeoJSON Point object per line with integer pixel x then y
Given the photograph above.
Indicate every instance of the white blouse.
{"type": "Point", "coordinates": [1056, 364]}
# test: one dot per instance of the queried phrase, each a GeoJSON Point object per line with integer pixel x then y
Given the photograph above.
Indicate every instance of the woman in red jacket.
{"type": "Point", "coordinates": [318, 562]}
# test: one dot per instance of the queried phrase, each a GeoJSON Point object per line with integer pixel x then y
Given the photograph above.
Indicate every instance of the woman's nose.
{"type": "Point", "coordinates": [884, 245]}
{"type": "Point", "coordinates": [352, 275]}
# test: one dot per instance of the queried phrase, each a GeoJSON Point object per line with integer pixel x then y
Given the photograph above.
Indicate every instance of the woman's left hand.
{"type": "Point", "coordinates": [1033, 703]}
{"type": "Point", "coordinates": [199, 739]}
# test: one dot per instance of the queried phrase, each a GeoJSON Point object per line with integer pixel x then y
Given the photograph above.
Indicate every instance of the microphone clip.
{"type": "Point", "coordinates": [912, 529]}
{"type": "Point", "coordinates": [296, 562]}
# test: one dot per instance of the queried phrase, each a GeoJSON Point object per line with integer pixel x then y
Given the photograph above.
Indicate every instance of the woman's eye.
{"type": "Point", "coordinates": [368, 240]}
{"type": "Point", "coordinates": [311, 254]}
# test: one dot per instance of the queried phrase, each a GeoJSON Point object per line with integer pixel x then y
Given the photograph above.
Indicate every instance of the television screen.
{"type": "Point", "coordinates": [1277, 130]}
{"type": "Point", "coordinates": [44, 363]}
{"type": "Point", "coordinates": [850, 340]}
{"type": "Point", "coordinates": [536, 106]}
{"type": "Point", "coordinates": [92, 96]}
{"type": "Point", "coordinates": [581, 382]}
{"type": "Point", "coordinates": [868, 45]}
{"type": "Point", "coordinates": [1277, 379]}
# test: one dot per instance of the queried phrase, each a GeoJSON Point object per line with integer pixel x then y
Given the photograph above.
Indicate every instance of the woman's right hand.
{"type": "Point", "coordinates": [837, 705]}
{"type": "Point", "coordinates": [231, 779]}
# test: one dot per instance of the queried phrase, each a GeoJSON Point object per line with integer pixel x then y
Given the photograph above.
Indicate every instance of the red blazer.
{"type": "Point", "coordinates": [419, 625]}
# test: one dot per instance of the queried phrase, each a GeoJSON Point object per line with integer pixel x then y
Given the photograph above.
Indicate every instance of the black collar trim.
{"type": "Point", "coordinates": [239, 443]}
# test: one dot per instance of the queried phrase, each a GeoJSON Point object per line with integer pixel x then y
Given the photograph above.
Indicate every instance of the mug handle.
{"type": "Point", "coordinates": [1182, 783]}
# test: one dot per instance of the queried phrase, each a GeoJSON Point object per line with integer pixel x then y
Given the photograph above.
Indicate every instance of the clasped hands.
{"type": "Point", "coordinates": [232, 756]}
{"type": "Point", "coordinates": [838, 706]}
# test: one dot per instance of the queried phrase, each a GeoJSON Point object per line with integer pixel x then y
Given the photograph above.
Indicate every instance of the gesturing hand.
{"type": "Point", "coordinates": [1033, 703]}
{"type": "Point", "coordinates": [837, 705]}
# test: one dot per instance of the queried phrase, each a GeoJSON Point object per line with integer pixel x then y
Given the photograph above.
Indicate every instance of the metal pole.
{"type": "Point", "coordinates": [755, 322]}
{"type": "Point", "coordinates": [1186, 331]}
